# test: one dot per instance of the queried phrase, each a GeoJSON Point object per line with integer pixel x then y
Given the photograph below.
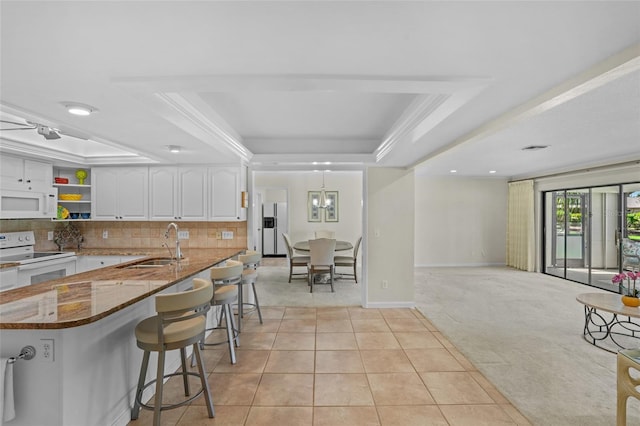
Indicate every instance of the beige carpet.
{"type": "Point", "coordinates": [523, 331]}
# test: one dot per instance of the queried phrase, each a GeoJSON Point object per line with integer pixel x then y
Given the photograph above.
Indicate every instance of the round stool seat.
{"type": "Point", "coordinates": [249, 275]}
{"type": "Point", "coordinates": [229, 273]}
{"type": "Point", "coordinates": [176, 335]}
{"type": "Point", "coordinates": [225, 294]}
{"type": "Point", "coordinates": [250, 259]}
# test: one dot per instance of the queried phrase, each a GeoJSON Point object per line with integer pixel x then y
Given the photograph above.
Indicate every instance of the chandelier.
{"type": "Point", "coordinates": [323, 202]}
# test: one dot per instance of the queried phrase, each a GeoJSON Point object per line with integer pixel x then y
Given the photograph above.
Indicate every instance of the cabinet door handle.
{"type": "Point", "coordinates": [28, 180]}
{"type": "Point", "coordinates": [19, 180]}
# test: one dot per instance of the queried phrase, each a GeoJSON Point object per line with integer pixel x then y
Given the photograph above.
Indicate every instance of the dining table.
{"type": "Point", "coordinates": [340, 245]}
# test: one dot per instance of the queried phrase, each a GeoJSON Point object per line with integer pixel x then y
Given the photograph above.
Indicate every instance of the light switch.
{"type": "Point", "coordinates": [227, 235]}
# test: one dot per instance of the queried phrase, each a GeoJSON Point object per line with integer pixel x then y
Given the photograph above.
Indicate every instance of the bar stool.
{"type": "Point", "coordinates": [180, 322]}
{"type": "Point", "coordinates": [224, 296]}
{"type": "Point", "coordinates": [251, 261]}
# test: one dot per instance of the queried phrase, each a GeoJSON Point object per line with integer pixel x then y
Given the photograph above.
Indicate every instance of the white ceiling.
{"type": "Point", "coordinates": [284, 85]}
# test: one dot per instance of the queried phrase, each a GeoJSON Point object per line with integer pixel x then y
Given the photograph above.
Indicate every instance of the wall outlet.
{"type": "Point", "coordinates": [50, 235]}
{"type": "Point", "coordinates": [47, 349]}
{"type": "Point", "coordinates": [105, 234]}
{"type": "Point", "coordinates": [183, 235]}
{"type": "Point", "coordinates": [227, 235]}
{"type": "Point", "coordinates": [385, 284]}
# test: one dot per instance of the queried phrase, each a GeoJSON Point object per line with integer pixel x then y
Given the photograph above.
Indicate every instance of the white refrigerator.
{"type": "Point", "coordinates": [274, 224]}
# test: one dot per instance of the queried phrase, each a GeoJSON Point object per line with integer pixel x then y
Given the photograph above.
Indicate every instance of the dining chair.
{"type": "Point", "coordinates": [321, 262]}
{"type": "Point", "coordinates": [349, 261]}
{"type": "Point", "coordinates": [180, 321]}
{"type": "Point", "coordinates": [325, 234]}
{"type": "Point", "coordinates": [295, 260]}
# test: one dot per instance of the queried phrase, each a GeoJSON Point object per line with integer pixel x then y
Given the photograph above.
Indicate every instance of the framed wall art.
{"type": "Point", "coordinates": [313, 207]}
{"type": "Point", "coordinates": [331, 210]}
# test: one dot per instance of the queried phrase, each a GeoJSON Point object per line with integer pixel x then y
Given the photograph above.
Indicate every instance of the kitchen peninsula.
{"type": "Point", "coordinates": [87, 361]}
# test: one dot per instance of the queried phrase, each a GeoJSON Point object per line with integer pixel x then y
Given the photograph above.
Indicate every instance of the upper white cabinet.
{"type": "Point", "coordinates": [178, 193]}
{"type": "Point", "coordinates": [22, 174]}
{"type": "Point", "coordinates": [225, 192]}
{"type": "Point", "coordinates": [120, 193]}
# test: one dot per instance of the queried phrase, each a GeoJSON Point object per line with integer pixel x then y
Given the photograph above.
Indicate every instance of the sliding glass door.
{"type": "Point", "coordinates": [569, 245]}
{"type": "Point", "coordinates": [584, 231]}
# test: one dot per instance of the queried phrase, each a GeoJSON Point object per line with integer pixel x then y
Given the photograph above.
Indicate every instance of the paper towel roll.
{"type": "Point", "coordinates": [7, 406]}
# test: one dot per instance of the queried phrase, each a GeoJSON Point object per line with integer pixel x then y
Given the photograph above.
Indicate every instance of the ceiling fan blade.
{"type": "Point", "coordinates": [49, 133]}
{"type": "Point", "coordinates": [73, 134]}
{"type": "Point", "coordinates": [22, 126]}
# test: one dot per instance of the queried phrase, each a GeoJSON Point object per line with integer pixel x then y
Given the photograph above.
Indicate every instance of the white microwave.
{"type": "Point", "coordinates": [28, 204]}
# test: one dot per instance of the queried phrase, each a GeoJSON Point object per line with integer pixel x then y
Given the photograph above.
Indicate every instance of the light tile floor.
{"type": "Point", "coordinates": [342, 366]}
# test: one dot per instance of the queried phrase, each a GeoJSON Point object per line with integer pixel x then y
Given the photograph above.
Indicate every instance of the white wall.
{"type": "Point", "coordinates": [460, 221]}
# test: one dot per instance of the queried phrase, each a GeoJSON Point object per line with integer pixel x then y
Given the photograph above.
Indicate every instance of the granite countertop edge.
{"type": "Point", "coordinates": [195, 261]}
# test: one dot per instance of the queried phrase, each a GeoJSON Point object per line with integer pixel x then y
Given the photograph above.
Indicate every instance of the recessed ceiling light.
{"type": "Point", "coordinates": [79, 109]}
{"type": "Point", "coordinates": [492, 171]}
{"type": "Point", "coordinates": [173, 148]}
{"type": "Point", "coordinates": [453, 171]}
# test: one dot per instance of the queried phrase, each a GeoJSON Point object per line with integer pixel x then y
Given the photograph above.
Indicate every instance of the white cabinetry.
{"type": "Point", "coordinates": [225, 191]}
{"type": "Point", "coordinates": [23, 174]}
{"type": "Point", "coordinates": [178, 193]}
{"type": "Point", "coordinates": [89, 263]}
{"type": "Point", "coordinates": [120, 193]}
{"type": "Point", "coordinates": [77, 208]}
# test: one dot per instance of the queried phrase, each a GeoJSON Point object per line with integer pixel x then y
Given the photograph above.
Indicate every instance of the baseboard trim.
{"type": "Point", "coordinates": [458, 265]}
{"type": "Point", "coordinates": [384, 305]}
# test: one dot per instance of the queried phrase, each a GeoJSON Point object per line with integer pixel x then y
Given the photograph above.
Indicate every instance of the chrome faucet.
{"type": "Point", "coordinates": [166, 235]}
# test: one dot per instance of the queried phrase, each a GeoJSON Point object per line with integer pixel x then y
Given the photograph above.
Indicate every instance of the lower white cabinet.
{"type": "Point", "coordinates": [89, 263]}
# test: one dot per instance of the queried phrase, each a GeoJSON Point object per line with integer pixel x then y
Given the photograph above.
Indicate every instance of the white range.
{"type": "Point", "coordinates": [33, 267]}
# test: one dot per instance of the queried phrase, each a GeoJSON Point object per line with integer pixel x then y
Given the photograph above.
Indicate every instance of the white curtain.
{"type": "Point", "coordinates": [520, 226]}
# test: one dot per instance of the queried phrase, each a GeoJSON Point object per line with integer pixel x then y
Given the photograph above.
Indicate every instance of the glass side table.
{"type": "Point", "coordinates": [627, 359]}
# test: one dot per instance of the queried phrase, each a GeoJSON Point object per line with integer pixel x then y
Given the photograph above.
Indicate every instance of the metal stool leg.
{"type": "Point", "coordinates": [240, 304]}
{"type": "Point", "coordinates": [185, 376]}
{"type": "Point", "coordinates": [230, 337]}
{"type": "Point", "coordinates": [143, 374]}
{"type": "Point", "coordinates": [255, 296]}
{"type": "Point", "coordinates": [203, 380]}
{"type": "Point", "coordinates": [159, 380]}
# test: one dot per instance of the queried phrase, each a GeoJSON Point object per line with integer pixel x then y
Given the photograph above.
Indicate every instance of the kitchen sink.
{"type": "Point", "coordinates": [150, 263]}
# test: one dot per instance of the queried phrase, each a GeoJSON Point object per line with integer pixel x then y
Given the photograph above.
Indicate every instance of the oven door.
{"type": "Point", "coordinates": [37, 272]}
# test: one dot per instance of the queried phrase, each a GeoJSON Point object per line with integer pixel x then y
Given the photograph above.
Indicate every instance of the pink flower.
{"type": "Point", "coordinates": [633, 275]}
{"type": "Point", "coordinates": [618, 278]}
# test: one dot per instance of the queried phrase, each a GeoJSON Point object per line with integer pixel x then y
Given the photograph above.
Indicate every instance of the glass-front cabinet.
{"type": "Point", "coordinates": [590, 232]}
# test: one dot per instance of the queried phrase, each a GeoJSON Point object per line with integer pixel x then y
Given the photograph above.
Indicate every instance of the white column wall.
{"type": "Point", "coordinates": [389, 243]}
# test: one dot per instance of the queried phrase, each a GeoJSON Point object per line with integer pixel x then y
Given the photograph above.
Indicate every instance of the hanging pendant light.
{"type": "Point", "coordinates": [324, 202]}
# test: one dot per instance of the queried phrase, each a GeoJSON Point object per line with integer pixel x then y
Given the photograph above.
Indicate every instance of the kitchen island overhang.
{"type": "Point", "coordinates": [90, 375]}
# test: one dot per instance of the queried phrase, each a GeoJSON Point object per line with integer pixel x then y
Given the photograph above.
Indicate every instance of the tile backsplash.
{"type": "Point", "coordinates": [132, 234]}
